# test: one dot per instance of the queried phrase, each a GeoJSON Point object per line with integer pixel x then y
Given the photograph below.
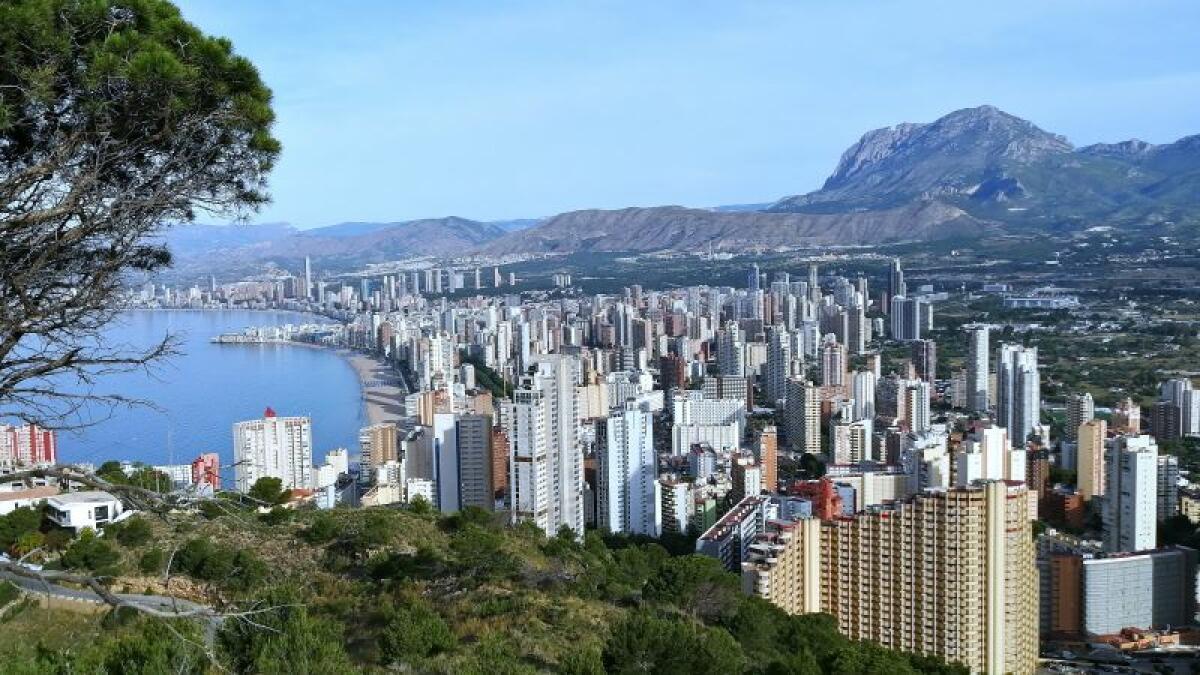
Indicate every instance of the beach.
{"type": "Point", "coordinates": [383, 391]}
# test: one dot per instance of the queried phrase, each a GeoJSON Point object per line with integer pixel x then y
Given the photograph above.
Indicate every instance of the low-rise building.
{"type": "Point", "coordinates": [81, 510]}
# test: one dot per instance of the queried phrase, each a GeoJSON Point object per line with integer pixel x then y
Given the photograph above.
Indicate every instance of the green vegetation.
{"type": "Point", "coordinates": [268, 491]}
{"type": "Point", "coordinates": [489, 379]}
{"type": "Point", "coordinates": [8, 593]}
{"type": "Point", "coordinates": [380, 589]}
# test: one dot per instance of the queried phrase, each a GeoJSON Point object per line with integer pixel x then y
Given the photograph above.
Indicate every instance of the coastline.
{"type": "Point", "coordinates": [382, 392]}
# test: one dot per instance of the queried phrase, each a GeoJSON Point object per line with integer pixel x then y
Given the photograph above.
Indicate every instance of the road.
{"type": "Point", "coordinates": [157, 602]}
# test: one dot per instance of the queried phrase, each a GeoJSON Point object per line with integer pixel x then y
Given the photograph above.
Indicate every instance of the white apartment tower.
{"type": "Point", "coordinates": [546, 474]}
{"type": "Point", "coordinates": [627, 471]}
{"type": "Point", "coordinates": [1080, 410]}
{"type": "Point", "coordinates": [1131, 494]}
{"type": "Point", "coordinates": [977, 370]}
{"type": "Point", "coordinates": [273, 447]}
{"type": "Point", "coordinates": [1019, 392]}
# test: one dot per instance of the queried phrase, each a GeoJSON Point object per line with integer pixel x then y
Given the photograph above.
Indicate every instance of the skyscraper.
{"type": "Point", "coordinates": [626, 471]}
{"type": "Point", "coordinates": [273, 447]}
{"type": "Point", "coordinates": [1080, 409]}
{"type": "Point", "coordinates": [802, 416]}
{"type": "Point", "coordinates": [833, 363]}
{"type": "Point", "coordinates": [546, 470]}
{"type": "Point", "coordinates": [779, 364]}
{"type": "Point", "coordinates": [463, 461]}
{"type": "Point", "coordinates": [377, 444]}
{"type": "Point", "coordinates": [924, 358]}
{"type": "Point", "coordinates": [1018, 386]}
{"type": "Point", "coordinates": [896, 285]}
{"type": "Point", "coordinates": [977, 370]}
{"type": "Point", "coordinates": [1131, 494]}
{"type": "Point", "coordinates": [863, 391]}
{"type": "Point", "coordinates": [308, 286]}
{"type": "Point", "coordinates": [950, 573]}
{"type": "Point", "coordinates": [731, 351]}
{"type": "Point", "coordinates": [1089, 455]}
{"type": "Point", "coordinates": [767, 454]}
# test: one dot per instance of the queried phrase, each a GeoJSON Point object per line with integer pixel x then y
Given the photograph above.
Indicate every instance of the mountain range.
{"type": "Point", "coordinates": [970, 173]}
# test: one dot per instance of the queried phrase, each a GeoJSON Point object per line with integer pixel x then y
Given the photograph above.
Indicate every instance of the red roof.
{"type": "Point", "coordinates": [270, 412]}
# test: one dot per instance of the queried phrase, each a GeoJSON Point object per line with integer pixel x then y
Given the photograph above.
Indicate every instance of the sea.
{"type": "Point", "coordinates": [198, 394]}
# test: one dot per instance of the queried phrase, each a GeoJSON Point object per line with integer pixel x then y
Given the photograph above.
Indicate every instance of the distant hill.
{"type": "Point", "coordinates": [347, 245]}
{"type": "Point", "coordinates": [1004, 169]}
{"type": "Point", "coordinates": [970, 172]}
{"type": "Point", "coordinates": [682, 229]}
{"type": "Point", "coordinates": [194, 239]}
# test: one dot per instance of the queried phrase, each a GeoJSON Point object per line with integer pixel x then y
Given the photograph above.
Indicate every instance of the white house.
{"type": "Point", "coordinates": [79, 510]}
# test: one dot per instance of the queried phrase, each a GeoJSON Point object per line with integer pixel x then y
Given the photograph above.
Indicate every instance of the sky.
{"type": "Point", "coordinates": [391, 110]}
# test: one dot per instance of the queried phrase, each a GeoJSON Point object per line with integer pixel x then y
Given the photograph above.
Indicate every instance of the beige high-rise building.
{"type": "Point", "coordinates": [783, 566]}
{"type": "Point", "coordinates": [1090, 458]}
{"type": "Point", "coordinates": [949, 573]}
{"type": "Point", "coordinates": [378, 444]}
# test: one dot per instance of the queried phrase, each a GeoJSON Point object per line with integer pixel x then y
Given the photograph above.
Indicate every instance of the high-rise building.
{"type": "Point", "coordinates": [462, 453]}
{"type": "Point", "coordinates": [863, 392]}
{"type": "Point", "coordinates": [546, 468]}
{"type": "Point", "coordinates": [924, 359]}
{"type": "Point", "coordinates": [273, 447]}
{"type": "Point", "coordinates": [377, 444]}
{"type": "Point", "coordinates": [1131, 494]}
{"type": "Point", "coordinates": [833, 363]}
{"type": "Point", "coordinates": [626, 472]}
{"type": "Point", "coordinates": [1168, 486]}
{"type": "Point", "coordinates": [1080, 409]}
{"type": "Point", "coordinates": [1127, 418]}
{"type": "Point", "coordinates": [674, 501]}
{"type": "Point", "coordinates": [308, 284]}
{"type": "Point", "coordinates": [1019, 392]}
{"type": "Point", "coordinates": [746, 476]}
{"type": "Point", "coordinates": [1089, 454]}
{"type": "Point", "coordinates": [896, 285]}
{"type": "Point", "coordinates": [27, 445]}
{"type": "Point", "coordinates": [1165, 423]}
{"type": "Point", "coordinates": [783, 565]}
{"type": "Point", "coordinates": [977, 370]}
{"type": "Point", "coordinates": [802, 416]}
{"type": "Point", "coordinates": [767, 455]}
{"type": "Point", "coordinates": [731, 352]}
{"type": "Point", "coordinates": [779, 364]}
{"type": "Point", "coordinates": [949, 574]}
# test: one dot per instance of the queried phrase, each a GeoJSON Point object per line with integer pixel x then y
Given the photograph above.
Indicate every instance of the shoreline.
{"type": "Point", "coordinates": [382, 393]}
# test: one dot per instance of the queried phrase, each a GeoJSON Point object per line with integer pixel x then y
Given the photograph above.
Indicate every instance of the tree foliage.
{"type": "Point", "coordinates": [117, 117]}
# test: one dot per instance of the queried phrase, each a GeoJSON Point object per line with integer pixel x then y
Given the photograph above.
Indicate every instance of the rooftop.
{"type": "Point", "coordinates": [86, 497]}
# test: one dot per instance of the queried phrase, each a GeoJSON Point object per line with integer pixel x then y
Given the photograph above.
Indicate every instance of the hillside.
{"type": "Point", "coordinates": [1004, 169]}
{"type": "Point", "coordinates": [344, 246]}
{"type": "Point", "coordinates": [682, 229]}
{"type": "Point", "coordinates": [971, 172]}
{"type": "Point", "coordinates": [380, 590]}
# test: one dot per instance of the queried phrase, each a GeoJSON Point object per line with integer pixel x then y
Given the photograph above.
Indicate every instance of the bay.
{"type": "Point", "coordinates": [200, 393]}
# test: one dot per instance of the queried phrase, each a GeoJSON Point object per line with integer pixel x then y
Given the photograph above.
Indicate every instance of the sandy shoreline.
{"type": "Point", "coordinates": [382, 390]}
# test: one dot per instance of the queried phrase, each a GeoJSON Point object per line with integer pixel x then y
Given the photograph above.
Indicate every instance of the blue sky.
{"type": "Point", "coordinates": [393, 110]}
